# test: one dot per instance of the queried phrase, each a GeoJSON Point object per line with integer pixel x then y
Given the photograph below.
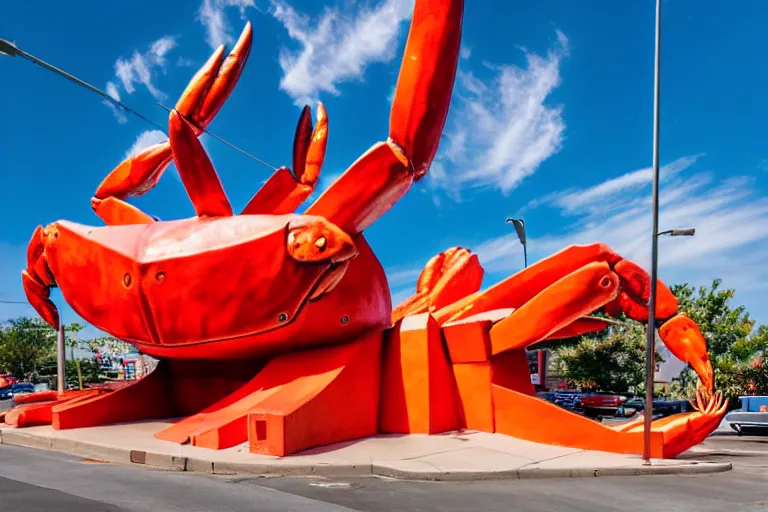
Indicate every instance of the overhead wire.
{"type": "Point", "coordinates": [12, 50]}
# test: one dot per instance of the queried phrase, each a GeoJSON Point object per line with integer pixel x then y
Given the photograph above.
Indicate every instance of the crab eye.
{"type": "Point", "coordinates": [314, 239]}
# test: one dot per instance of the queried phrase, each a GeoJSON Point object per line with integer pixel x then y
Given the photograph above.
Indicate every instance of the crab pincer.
{"type": "Point", "coordinates": [199, 103]}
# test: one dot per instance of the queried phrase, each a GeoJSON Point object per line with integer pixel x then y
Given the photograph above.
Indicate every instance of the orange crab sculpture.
{"type": "Point", "coordinates": [278, 328]}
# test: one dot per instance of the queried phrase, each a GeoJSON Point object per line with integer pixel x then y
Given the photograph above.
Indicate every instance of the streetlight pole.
{"type": "Point", "coordinates": [61, 367]}
{"type": "Point", "coordinates": [650, 345]}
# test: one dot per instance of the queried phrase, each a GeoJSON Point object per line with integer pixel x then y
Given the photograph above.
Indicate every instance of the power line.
{"type": "Point", "coordinates": [13, 302]}
{"type": "Point", "coordinates": [10, 49]}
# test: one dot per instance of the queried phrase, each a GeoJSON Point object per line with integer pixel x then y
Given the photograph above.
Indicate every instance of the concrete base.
{"type": "Point", "coordinates": [454, 456]}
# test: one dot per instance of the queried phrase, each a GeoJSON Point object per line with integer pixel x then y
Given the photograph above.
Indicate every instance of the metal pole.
{"type": "Point", "coordinates": [525, 255]}
{"type": "Point", "coordinates": [650, 345]}
{"type": "Point", "coordinates": [60, 360]}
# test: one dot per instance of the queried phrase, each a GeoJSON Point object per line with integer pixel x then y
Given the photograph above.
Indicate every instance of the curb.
{"type": "Point", "coordinates": [170, 462]}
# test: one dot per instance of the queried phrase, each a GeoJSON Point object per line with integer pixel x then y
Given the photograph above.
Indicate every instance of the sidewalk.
{"type": "Point", "coordinates": [454, 456]}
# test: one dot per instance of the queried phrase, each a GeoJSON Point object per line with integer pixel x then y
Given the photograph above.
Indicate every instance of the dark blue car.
{"type": "Point", "coordinates": [14, 389]}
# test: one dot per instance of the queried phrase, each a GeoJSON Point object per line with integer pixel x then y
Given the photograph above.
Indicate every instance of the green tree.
{"type": "Point", "coordinates": [611, 360]}
{"type": "Point", "coordinates": [614, 359]}
{"type": "Point", "coordinates": [733, 342]}
{"type": "Point", "coordinates": [25, 344]}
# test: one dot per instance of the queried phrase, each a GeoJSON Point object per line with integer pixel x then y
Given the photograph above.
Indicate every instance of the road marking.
{"type": "Point", "coordinates": [330, 485]}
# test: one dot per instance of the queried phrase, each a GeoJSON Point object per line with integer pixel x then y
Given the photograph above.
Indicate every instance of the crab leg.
{"type": "Point", "coordinates": [196, 170]}
{"type": "Point", "coordinates": [551, 301]}
{"type": "Point", "coordinates": [199, 103]}
{"type": "Point", "coordinates": [380, 177]}
{"type": "Point", "coordinates": [520, 288]}
{"type": "Point", "coordinates": [115, 212]}
{"type": "Point", "coordinates": [285, 191]}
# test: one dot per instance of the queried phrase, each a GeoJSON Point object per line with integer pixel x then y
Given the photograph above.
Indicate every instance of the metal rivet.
{"type": "Point", "coordinates": [282, 317]}
{"type": "Point", "coordinates": [345, 320]}
{"type": "Point", "coordinates": [160, 276]}
{"type": "Point", "coordinates": [127, 280]}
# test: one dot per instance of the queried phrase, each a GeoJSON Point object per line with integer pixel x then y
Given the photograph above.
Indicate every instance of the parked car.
{"type": "Point", "coordinates": [8, 392]}
{"type": "Point", "coordinates": [752, 416]}
{"type": "Point", "coordinates": [567, 399]}
{"type": "Point", "coordinates": [601, 404]}
{"type": "Point", "coordinates": [661, 408]}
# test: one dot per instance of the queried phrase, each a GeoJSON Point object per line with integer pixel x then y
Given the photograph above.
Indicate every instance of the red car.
{"type": "Point", "coordinates": [597, 404]}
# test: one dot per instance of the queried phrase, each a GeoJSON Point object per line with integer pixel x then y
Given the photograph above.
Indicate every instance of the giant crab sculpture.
{"type": "Point", "coordinates": [278, 328]}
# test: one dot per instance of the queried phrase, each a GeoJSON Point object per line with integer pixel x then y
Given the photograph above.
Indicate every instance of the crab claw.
{"type": "Point", "coordinates": [284, 191]}
{"type": "Point", "coordinates": [198, 104]}
{"type": "Point", "coordinates": [38, 280]}
{"type": "Point", "coordinates": [136, 174]}
{"type": "Point", "coordinates": [447, 277]}
{"type": "Point", "coordinates": [684, 340]}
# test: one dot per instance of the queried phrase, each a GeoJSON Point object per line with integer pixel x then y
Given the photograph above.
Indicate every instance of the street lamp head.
{"type": "Point", "coordinates": [679, 232]}
{"type": "Point", "coordinates": [519, 225]}
{"type": "Point", "coordinates": [8, 48]}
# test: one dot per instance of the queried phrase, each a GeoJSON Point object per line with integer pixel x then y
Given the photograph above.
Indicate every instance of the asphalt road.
{"type": "Point", "coordinates": [5, 404]}
{"type": "Point", "coordinates": [33, 481]}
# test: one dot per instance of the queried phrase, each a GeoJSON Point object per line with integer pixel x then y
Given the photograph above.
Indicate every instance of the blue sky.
{"type": "Point", "coordinates": [551, 119]}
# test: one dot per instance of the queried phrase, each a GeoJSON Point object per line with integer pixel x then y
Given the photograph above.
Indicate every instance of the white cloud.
{"type": "Point", "coordinates": [144, 140]}
{"type": "Point", "coordinates": [729, 216]}
{"type": "Point", "coordinates": [139, 69]}
{"type": "Point", "coordinates": [600, 196]}
{"type": "Point", "coordinates": [337, 47]}
{"type": "Point", "coordinates": [212, 14]}
{"type": "Point", "coordinates": [114, 93]}
{"type": "Point", "coordinates": [502, 123]}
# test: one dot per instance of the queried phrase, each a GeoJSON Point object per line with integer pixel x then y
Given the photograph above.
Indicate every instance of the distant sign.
{"type": "Point", "coordinates": [535, 379]}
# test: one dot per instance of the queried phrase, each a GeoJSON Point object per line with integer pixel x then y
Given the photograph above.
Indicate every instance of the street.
{"type": "Point", "coordinates": [33, 480]}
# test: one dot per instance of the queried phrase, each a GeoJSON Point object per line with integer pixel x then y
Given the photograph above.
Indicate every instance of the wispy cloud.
{"type": "Point", "coordinates": [729, 215]}
{"type": "Point", "coordinates": [213, 16]}
{"type": "Point", "coordinates": [144, 140]}
{"type": "Point", "coordinates": [140, 69]}
{"type": "Point", "coordinates": [501, 129]}
{"type": "Point", "coordinates": [338, 47]}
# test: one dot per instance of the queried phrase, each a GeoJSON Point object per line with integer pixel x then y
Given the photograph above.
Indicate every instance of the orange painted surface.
{"type": "Point", "coordinates": [417, 387]}
{"type": "Point", "coordinates": [447, 277]}
{"type": "Point", "coordinates": [40, 413]}
{"type": "Point", "coordinates": [475, 404]}
{"type": "Point", "coordinates": [116, 212]}
{"type": "Point", "coordinates": [40, 396]}
{"type": "Point", "coordinates": [572, 297]}
{"type": "Point", "coordinates": [530, 418]}
{"type": "Point", "coordinates": [225, 423]}
{"type": "Point", "coordinates": [683, 338]}
{"type": "Point", "coordinates": [468, 341]}
{"type": "Point", "coordinates": [336, 399]}
{"type": "Point", "coordinates": [146, 399]}
{"type": "Point", "coordinates": [510, 370]}
{"type": "Point", "coordinates": [425, 83]}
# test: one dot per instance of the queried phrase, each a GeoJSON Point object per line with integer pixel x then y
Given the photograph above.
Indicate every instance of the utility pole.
{"type": "Point", "coordinates": [61, 358]}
